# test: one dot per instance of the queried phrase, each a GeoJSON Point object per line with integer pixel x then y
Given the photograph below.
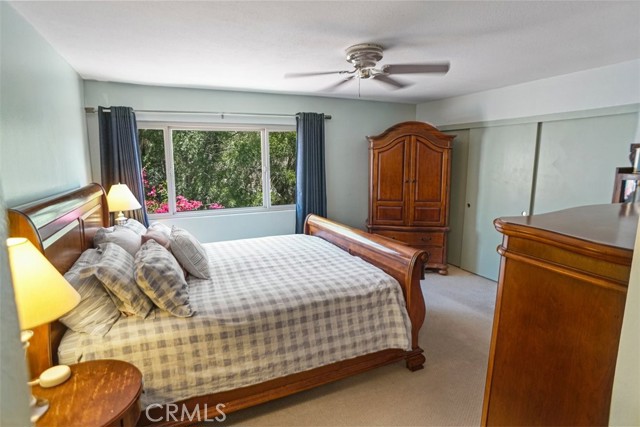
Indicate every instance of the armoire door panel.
{"type": "Point", "coordinates": [428, 170]}
{"type": "Point", "coordinates": [389, 214]}
{"type": "Point", "coordinates": [390, 166]}
{"type": "Point", "coordinates": [423, 214]}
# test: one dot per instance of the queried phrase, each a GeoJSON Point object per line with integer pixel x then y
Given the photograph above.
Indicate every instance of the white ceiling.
{"type": "Point", "coordinates": [249, 46]}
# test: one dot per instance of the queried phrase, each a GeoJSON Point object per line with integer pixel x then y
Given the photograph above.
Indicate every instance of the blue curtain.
{"type": "Point", "coordinates": [311, 188]}
{"type": "Point", "coordinates": [120, 158]}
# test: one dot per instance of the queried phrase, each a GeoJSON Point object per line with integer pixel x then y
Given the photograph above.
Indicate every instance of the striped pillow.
{"type": "Point", "coordinates": [96, 313]}
{"type": "Point", "coordinates": [160, 277]}
{"type": "Point", "coordinates": [116, 272]}
{"type": "Point", "coordinates": [189, 253]}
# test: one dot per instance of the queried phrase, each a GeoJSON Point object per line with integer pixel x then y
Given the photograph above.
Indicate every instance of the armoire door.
{"type": "Point", "coordinates": [390, 168]}
{"type": "Point", "coordinates": [499, 183]}
{"type": "Point", "coordinates": [429, 183]}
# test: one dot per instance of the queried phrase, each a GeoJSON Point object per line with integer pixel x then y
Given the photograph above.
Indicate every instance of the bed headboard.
{"type": "Point", "coordinates": [62, 227]}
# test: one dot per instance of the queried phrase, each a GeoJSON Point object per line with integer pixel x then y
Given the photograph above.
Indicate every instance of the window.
{"type": "Point", "coordinates": [209, 169]}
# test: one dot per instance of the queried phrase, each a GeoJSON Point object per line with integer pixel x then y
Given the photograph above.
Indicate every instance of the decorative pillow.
{"type": "Point", "coordinates": [160, 227]}
{"type": "Point", "coordinates": [135, 226]}
{"type": "Point", "coordinates": [159, 276]}
{"type": "Point", "coordinates": [96, 313]}
{"type": "Point", "coordinates": [189, 253]}
{"type": "Point", "coordinates": [124, 237]}
{"type": "Point", "coordinates": [116, 272]}
{"type": "Point", "coordinates": [158, 236]}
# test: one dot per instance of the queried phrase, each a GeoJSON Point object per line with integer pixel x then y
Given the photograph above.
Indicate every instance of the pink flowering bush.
{"type": "Point", "coordinates": [157, 199]}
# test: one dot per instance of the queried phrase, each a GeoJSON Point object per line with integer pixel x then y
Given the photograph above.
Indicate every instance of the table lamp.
{"type": "Point", "coordinates": [42, 295]}
{"type": "Point", "coordinates": [120, 198]}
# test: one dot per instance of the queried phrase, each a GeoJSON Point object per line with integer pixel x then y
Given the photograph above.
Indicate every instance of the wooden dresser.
{"type": "Point", "coordinates": [561, 296]}
{"type": "Point", "coordinates": [409, 175]}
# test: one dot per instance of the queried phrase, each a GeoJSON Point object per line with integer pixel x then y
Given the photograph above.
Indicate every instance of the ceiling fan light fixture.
{"type": "Point", "coordinates": [364, 55]}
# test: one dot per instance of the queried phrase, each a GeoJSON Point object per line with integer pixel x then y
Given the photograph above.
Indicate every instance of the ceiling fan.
{"type": "Point", "coordinates": [364, 57]}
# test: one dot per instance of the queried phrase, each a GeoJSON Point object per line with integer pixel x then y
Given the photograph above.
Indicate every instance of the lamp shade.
{"type": "Point", "coordinates": [42, 294]}
{"type": "Point", "coordinates": [120, 198]}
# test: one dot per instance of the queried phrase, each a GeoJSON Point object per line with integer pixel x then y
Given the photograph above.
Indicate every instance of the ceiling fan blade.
{"type": "Point", "coordinates": [442, 67]}
{"type": "Point", "coordinates": [313, 73]}
{"type": "Point", "coordinates": [391, 82]}
{"type": "Point", "coordinates": [337, 85]}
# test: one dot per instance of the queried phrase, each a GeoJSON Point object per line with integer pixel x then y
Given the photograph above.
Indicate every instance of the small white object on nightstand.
{"type": "Point", "coordinates": [54, 376]}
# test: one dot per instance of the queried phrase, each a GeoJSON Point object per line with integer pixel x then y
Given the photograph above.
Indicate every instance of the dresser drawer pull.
{"type": "Point", "coordinates": [426, 239]}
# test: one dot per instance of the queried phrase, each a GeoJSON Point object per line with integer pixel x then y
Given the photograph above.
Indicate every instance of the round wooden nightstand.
{"type": "Point", "coordinates": [99, 393]}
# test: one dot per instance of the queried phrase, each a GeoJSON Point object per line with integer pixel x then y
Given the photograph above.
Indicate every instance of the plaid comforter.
{"type": "Point", "coordinates": [274, 306]}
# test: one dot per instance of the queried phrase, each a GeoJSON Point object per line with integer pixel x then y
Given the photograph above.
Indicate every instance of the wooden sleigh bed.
{"type": "Point", "coordinates": [63, 226]}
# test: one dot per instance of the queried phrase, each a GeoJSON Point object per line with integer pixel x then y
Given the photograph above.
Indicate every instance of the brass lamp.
{"type": "Point", "coordinates": [120, 198]}
{"type": "Point", "coordinates": [42, 295]}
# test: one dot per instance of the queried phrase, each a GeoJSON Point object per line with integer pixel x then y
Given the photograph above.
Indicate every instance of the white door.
{"type": "Point", "coordinates": [499, 182]}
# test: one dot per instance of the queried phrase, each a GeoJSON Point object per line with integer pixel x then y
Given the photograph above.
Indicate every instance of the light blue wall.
{"type": "Point", "coordinates": [346, 146]}
{"type": "Point", "coordinates": [42, 150]}
{"type": "Point", "coordinates": [43, 138]}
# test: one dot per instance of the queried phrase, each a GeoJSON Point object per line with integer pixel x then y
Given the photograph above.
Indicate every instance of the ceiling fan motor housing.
{"type": "Point", "coordinates": [364, 55]}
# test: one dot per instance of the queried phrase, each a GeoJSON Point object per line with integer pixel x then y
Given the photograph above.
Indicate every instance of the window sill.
{"type": "Point", "coordinates": [222, 212]}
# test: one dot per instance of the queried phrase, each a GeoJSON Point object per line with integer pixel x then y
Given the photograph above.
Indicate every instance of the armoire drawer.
{"type": "Point", "coordinates": [436, 254]}
{"type": "Point", "coordinates": [433, 238]}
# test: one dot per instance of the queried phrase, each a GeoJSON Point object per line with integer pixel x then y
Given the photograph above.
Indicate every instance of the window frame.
{"type": "Point", "coordinates": [264, 130]}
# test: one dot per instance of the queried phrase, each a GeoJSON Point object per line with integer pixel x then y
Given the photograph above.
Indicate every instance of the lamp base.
{"type": "Point", "coordinates": [38, 408]}
{"type": "Point", "coordinates": [121, 219]}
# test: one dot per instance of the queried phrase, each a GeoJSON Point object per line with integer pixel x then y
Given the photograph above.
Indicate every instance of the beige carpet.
{"type": "Point", "coordinates": [449, 391]}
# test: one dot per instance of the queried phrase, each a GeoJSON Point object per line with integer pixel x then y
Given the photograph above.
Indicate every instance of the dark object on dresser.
{"type": "Point", "coordinates": [625, 186]}
{"type": "Point", "coordinates": [409, 175]}
{"type": "Point", "coordinates": [561, 296]}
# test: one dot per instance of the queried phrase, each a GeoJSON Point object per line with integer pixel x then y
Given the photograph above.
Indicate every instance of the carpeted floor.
{"type": "Point", "coordinates": [448, 392]}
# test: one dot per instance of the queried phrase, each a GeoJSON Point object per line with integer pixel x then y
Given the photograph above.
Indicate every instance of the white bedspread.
{"type": "Point", "coordinates": [274, 306]}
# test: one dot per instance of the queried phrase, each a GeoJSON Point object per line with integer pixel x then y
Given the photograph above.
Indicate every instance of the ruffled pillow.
{"type": "Point", "coordinates": [122, 236]}
{"type": "Point", "coordinates": [135, 226]}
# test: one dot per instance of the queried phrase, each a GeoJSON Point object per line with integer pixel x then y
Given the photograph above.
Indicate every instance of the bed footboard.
{"type": "Point", "coordinates": [404, 263]}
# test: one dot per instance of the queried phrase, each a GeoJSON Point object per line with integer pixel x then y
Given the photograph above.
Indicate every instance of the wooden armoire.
{"type": "Point", "coordinates": [409, 175]}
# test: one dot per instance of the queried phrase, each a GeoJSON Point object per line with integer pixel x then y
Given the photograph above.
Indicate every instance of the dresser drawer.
{"type": "Point", "coordinates": [432, 238]}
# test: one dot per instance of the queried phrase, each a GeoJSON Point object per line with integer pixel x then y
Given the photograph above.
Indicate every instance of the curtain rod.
{"type": "Point", "coordinates": [91, 110]}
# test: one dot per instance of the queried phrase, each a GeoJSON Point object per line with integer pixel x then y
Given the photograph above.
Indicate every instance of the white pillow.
{"type": "Point", "coordinates": [124, 237]}
{"type": "Point", "coordinates": [136, 226]}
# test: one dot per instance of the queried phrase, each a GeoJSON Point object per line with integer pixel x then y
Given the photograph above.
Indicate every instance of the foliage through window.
{"type": "Point", "coordinates": [211, 169]}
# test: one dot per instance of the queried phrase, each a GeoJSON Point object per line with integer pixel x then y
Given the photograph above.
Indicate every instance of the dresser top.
{"type": "Point", "coordinates": [612, 225]}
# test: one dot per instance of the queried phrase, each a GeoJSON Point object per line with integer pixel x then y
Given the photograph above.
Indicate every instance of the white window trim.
{"type": "Point", "coordinates": [168, 127]}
